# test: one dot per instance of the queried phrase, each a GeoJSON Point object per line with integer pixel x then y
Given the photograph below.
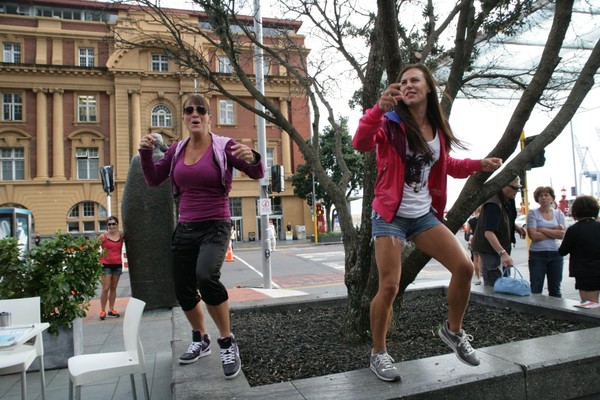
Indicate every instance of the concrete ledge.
{"type": "Point", "coordinates": [562, 366]}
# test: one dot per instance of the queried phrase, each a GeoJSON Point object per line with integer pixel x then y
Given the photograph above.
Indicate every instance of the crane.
{"type": "Point", "coordinates": [582, 153]}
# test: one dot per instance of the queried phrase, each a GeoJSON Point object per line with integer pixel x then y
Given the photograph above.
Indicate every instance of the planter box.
{"type": "Point", "coordinates": [327, 239]}
{"type": "Point", "coordinates": [59, 348]}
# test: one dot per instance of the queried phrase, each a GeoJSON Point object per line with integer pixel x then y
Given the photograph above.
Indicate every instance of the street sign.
{"type": "Point", "coordinates": [264, 207]}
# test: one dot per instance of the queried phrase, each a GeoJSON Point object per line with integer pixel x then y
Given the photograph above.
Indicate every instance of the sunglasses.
{"type": "Point", "coordinates": [515, 187]}
{"type": "Point", "coordinates": [189, 110]}
{"type": "Point", "coordinates": [111, 224]}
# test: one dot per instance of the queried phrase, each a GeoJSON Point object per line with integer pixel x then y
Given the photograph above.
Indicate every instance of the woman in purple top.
{"type": "Point", "coordinates": [201, 170]}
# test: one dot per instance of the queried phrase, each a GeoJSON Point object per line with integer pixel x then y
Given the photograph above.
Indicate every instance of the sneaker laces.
{"type": "Point", "coordinates": [228, 355]}
{"type": "Point", "coordinates": [385, 360]}
{"type": "Point", "coordinates": [464, 342]}
{"type": "Point", "coordinates": [194, 347]}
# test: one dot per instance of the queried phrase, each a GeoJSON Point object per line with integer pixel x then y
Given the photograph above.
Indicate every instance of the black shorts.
{"type": "Point", "coordinates": [198, 250]}
{"type": "Point", "coordinates": [590, 284]}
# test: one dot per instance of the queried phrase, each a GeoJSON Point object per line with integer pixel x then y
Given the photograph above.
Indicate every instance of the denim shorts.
{"type": "Point", "coordinates": [112, 269]}
{"type": "Point", "coordinates": [402, 228]}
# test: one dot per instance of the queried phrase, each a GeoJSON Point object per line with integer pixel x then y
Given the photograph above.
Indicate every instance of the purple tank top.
{"type": "Point", "coordinates": [202, 195]}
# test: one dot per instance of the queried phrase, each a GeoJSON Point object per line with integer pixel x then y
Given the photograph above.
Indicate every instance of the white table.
{"type": "Point", "coordinates": [35, 330]}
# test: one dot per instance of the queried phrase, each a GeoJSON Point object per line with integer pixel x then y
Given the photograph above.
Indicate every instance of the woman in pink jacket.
{"type": "Point", "coordinates": [411, 135]}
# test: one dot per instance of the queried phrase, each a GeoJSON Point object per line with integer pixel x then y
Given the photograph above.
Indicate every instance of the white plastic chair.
{"type": "Point", "coordinates": [19, 358]}
{"type": "Point", "coordinates": [89, 368]}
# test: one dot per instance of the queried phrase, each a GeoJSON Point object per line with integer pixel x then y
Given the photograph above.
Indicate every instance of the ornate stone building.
{"type": "Point", "coordinates": [73, 101]}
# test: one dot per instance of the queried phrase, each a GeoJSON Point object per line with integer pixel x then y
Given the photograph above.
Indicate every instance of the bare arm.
{"type": "Point", "coordinates": [505, 258]}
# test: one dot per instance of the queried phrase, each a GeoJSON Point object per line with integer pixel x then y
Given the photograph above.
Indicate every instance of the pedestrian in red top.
{"type": "Point", "coordinates": [412, 138]}
{"type": "Point", "coordinates": [111, 242]}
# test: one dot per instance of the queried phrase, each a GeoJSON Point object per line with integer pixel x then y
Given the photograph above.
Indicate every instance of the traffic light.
{"type": "Point", "coordinates": [539, 159]}
{"type": "Point", "coordinates": [319, 209]}
{"type": "Point", "coordinates": [108, 182]}
{"type": "Point", "coordinates": [277, 178]}
{"type": "Point", "coordinates": [309, 198]}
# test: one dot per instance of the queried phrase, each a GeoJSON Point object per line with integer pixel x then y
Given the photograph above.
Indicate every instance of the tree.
{"type": "Point", "coordinates": [385, 45]}
{"type": "Point", "coordinates": [302, 179]}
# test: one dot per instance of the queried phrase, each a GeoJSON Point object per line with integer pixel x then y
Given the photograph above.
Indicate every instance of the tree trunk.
{"type": "Point", "coordinates": [361, 271]}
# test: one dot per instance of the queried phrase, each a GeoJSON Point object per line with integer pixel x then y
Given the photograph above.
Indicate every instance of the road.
{"type": "Point", "coordinates": [320, 269]}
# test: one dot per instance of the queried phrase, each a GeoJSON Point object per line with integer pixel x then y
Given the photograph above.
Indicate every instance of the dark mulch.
{"type": "Point", "coordinates": [278, 347]}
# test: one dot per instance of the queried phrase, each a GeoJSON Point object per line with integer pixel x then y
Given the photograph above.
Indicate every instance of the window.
{"type": "Point", "coordinates": [12, 53]}
{"type": "Point", "coordinates": [224, 65]}
{"type": "Point", "coordinates": [87, 216]}
{"type": "Point", "coordinates": [13, 164]}
{"type": "Point", "coordinates": [86, 107]}
{"type": "Point", "coordinates": [160, 63]}
{"type": "Point", "coordinates": [86, 57]}
{"type": "Point", "coordinates": [235, 205]}
{"type": "Point", "coordinates": [87, 163]}
{"type": "Point", "coordinates": [88, 209]}
{"type": "Point", "coordinates": [12, 107]}
{"type": "Point", "coordinates": [161, 117]}
{"type": "Point", "coordinates": [226, 116]}
{"type": "Point", "coordinates": [270, 158]}
{"type": "Point", "coordinates": [266, 67]}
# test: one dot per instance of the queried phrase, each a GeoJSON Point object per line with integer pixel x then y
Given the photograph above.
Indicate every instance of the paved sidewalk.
{"type": "Point", "coordinates": [105, 336]}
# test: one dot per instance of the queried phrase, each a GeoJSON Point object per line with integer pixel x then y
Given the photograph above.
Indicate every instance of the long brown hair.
{"type": "Point", "coordinates": [435, 115]}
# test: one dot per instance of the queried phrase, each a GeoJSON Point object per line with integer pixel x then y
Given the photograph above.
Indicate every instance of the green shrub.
{"type": "Point", "coordinates": [64, 271]}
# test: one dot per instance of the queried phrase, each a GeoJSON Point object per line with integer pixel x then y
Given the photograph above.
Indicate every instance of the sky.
{"type": "Point", "coordinates": [481, 124]}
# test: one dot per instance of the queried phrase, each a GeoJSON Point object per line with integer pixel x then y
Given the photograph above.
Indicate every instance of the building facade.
{"type": "Point", "coordinates": [74, 101]}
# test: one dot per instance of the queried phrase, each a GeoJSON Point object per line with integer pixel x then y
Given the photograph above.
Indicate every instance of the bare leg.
{"type": "Point", "coordinates": [589, 295]}
{"type": "Point", "coordinates": [388, 251]}
{"type": "Point", "coordinates": [112, 294]}
{"type": "Point", "coordinates": [195, 316]}
{"type": "Point", "coordinates": [104, 293]}
{"type": "Point", "coordinates": [220, 314]}
{"type": "Point", "coordinates": [442, 245]}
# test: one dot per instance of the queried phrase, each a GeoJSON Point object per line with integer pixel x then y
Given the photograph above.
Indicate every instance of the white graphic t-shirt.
{"type": "Point", "coordinates": [416, 200]}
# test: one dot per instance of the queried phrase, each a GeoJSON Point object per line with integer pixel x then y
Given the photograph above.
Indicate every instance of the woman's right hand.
{"type": "Point", "coordinates": [390, 97]}
{"type": "Point", "coordinates": [147, 142]}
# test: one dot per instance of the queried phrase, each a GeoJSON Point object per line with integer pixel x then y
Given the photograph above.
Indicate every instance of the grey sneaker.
{"type": "Point", "coordinates": [230, 357]}
{"type": "Point", "coordinates": [196, 350]}
{"type": "Point", "coordinates": [382, 365]}
{"type": "Point", "coordinates": [459, 343]}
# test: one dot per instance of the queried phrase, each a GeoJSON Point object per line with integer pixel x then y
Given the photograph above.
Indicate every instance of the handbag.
{"type": "Point", "coordinates": [512, 284]}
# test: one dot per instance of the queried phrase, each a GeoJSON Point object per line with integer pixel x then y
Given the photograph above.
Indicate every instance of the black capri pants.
{"type": "Point", "coordinates": [198, 250]}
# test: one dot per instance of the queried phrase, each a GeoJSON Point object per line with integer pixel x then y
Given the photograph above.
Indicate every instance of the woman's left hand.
{"type": "Point", "coordinates": [491, 164]}
{"type": "Point", "coordinates": [243, 152]}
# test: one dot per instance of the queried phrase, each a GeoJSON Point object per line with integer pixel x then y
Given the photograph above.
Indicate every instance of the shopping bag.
{"type": "Point", "coordinates": [512, 284]}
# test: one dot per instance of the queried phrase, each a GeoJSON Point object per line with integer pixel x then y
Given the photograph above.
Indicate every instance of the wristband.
{"type": "Point", "coordinates": [501, 252]}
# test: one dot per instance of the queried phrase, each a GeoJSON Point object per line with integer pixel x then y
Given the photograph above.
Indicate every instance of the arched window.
{"type": "Point", "coordinates": [161, 117]}
{"type": "Point", "coordinates": [87, 217]}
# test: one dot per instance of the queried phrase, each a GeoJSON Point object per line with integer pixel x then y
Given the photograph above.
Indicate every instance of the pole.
{"type": "Point", "coordinates": [573, 154]}
{"type": "Point", "coordinates": [314, 208]}
{"type": "Point", "coordinates": [262, 145]}
{"type": "Point", "coordinates": [108, 210]}
{"type": "Point", "coordinates": [524, 190]}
